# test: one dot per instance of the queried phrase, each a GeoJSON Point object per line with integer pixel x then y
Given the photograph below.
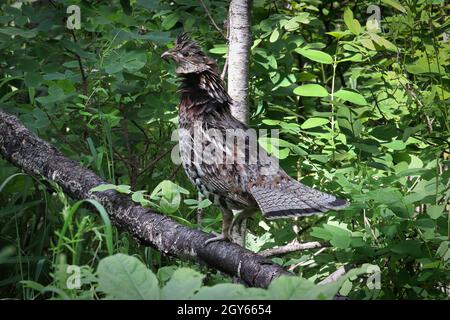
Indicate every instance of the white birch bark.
{"type": "Point", "coordinates": [238, 57]}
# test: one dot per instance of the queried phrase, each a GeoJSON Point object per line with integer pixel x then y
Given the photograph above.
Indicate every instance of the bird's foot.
{"type": "Point", "coordinates": [218, 237]}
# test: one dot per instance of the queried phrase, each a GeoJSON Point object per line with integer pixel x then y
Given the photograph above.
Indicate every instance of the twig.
{"type": "Point", "coordinates": [199, 212]}
{"type": "Point", "coordinates": [304, 263]}
{"type": "Point", "coordinates": [154, 162]}
{"type": "Point", "coordinates": [367, 223]}
{"type": "Point", "coordinates": [212, 19]}
{"type": "Point", "coordinates": [80, 65]}
{"type": "Point", "coordinates": [174, 172]}
{"type": "Point", "coordinates": [340, 272]}
{"type": "Point", "coordinates": [416, 98]}
{"type": "Point", "coordinates": [147, 138]}
{"type": "Point", "coordinates": [225, 65]}
{"type": "Point", "coordinates": [291, 247]}
{"type": "Point", "coordinates": [225, 68]}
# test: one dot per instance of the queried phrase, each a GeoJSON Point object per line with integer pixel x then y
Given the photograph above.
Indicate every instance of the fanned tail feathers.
{"type": "Point", "coordinates": [294, 199]}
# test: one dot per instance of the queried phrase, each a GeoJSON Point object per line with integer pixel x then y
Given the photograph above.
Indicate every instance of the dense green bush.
{"type": "Point", "coordinates": [362, 107]}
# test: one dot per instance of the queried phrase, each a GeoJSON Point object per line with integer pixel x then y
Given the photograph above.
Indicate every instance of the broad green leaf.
{"type": "Point", "coordinates": [408, 247]}
{"type": "Point", "coordinates": [352, 24]}
{"type": "Point", "coordinates": [272, 147]}
{"type": "Point", "coordinates": [382, 42]}
{"type": "Point", "coordinates": [33, 79]}
{"type": "Point", "coordinates": [311, 90]}
{"type": "Point", "coordinates": [133, 60]}
{"type": "Point", "coordinates": [12, 31]}
{"type": "Point", "coordinates": [351, 96]}
{"type": "Point", "coordinates": [230, 291]}
{"type": "Point", "coordinates": [435, 211]}
{"type": "Point", "coordinates": [125, 277]}
{"type": "Point", "coordinates": [315, 55]}
{"type": "Point", "coordinates": [340, 235]}
{"type": "Point", "coordinates": [395, 145]}
{"type": "Point", "coordinates": [170, 21]}
{"type": "Point", "coordinates": [182, 285]}
{"type": "Point", "coordinates": [314, 122]}
{"type": "Point", "coordinates": [294, 288]}
{"type": "Point", "coordinates": [367, 43]}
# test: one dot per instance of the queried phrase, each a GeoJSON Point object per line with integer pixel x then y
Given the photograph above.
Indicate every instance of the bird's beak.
{"type": "Point", "coordinates": [167, 55]}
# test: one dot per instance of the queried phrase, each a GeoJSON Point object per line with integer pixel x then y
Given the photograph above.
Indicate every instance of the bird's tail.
{"type": "Point", "coordinates": [294, 199]}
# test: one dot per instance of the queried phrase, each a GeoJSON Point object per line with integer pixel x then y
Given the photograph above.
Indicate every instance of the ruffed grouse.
{"type": "Point", "coordinates": [205, 119]}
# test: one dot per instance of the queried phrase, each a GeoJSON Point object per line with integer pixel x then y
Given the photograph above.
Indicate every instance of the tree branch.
{"type": "Point", "coordinates": [212, 19]}
{"type": "Point", "coordinates": [39, 158]}
{"type": "Point", "coordinates": [291, 247]}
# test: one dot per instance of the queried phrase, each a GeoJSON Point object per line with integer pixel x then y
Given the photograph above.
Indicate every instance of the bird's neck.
{"type": "Point", "coordinates": [203, 92]}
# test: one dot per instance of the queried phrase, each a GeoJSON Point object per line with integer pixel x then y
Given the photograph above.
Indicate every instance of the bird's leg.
{"type": "Point", "coordinates": [238, 227]}
{"type": "Point", "coordinates": [227, 219]}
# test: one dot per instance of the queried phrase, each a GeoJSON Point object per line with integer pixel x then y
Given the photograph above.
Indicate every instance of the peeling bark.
{"type": "Point", "coordinates": [39, 158]}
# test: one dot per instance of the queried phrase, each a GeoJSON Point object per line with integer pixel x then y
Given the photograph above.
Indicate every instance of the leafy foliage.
{"type": "Point", "coordinates": [125, 277]}
{"type": "Point", "coordinates": [361, 105]}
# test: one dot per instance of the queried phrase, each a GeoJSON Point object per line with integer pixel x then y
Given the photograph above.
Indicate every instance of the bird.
{"type": "Point", "coordinates": [246, 186]}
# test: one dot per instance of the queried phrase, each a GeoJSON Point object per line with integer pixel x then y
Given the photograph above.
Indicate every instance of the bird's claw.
{"type": "Point", "coordinates": [218, 237]}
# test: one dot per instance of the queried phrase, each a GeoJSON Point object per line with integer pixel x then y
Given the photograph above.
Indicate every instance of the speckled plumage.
{"type": "Point", "coordinates": [205, 107]}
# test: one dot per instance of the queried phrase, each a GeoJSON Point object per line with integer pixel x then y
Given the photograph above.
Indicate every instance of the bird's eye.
{"type": "Point", "coordinates": [185, 54]}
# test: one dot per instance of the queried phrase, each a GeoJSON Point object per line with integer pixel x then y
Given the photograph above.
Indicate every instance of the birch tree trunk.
{"type": "Point", "coordinates": [239, 43]}
{"type": "Point", "coordinates": [238, 57]}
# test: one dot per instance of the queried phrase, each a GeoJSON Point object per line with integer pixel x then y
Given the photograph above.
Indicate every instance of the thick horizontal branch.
{"type": "Point", "coordinates": [39, 158]}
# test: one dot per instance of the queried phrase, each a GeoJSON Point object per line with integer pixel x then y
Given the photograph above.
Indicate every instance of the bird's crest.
{"type": "Point", "coordinates": [185, 44]}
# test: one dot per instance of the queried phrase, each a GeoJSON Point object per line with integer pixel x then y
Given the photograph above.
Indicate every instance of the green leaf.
{"type": "Point", "coordinates": [122, 188]}
{"type": "Point", "coordinates": [219, 49]}
{"type": "Point", "coordinates": [12, 31]}
{"type": "Point", "coordinates": [339, 34]}
{"type": "Point", "coordinates": [351, 96]}
{"type": "Point", "coordinates": [33, 79]}
{"type": "Point", "coordinates": [315, 55]}
{"type": "Point", "coordinates": [204, 204]}
{"type": "Point", "coordinates": [274, 36]}
{"type": "Point", "coordinates": [125, 277]}
{"type": "Point", "coordinates": [311, 90]}
{"type": "Point", "coordinates": [182, 285]}
{"type": "Point", "coordinates": [367, 43]}
{"type": "Point", "coordinates": [55, 94]}
{"type": "Point", "coordinates": [383, 42]}
{"type": "Point", "coordinates": [352, 24]}
{"type": "Point", "coordinates": [395, 4]}
{"type": "Point", "coordinates": [408, 247]}
{"type": "Point", "coordinates": [133, 60]}
{"type": "Point", "coordinates": [229, 291]}
{"type": "Point", "coordinates": [340, 235]}
{"type": "Point", "coordinates": [170, 21]}
{"type": "Point", "coordinates": [395, 145]}
{"type": "Point", "coordinates": [272, 147]}
{"type": "Point", "coordinates": [104, 187]}
{"type": "Point", "coordinates": [314, 122]}
{"type": "Point", "coordinates": [435, 211]}
{"type": "Point", "coordinates": [292, 288]}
